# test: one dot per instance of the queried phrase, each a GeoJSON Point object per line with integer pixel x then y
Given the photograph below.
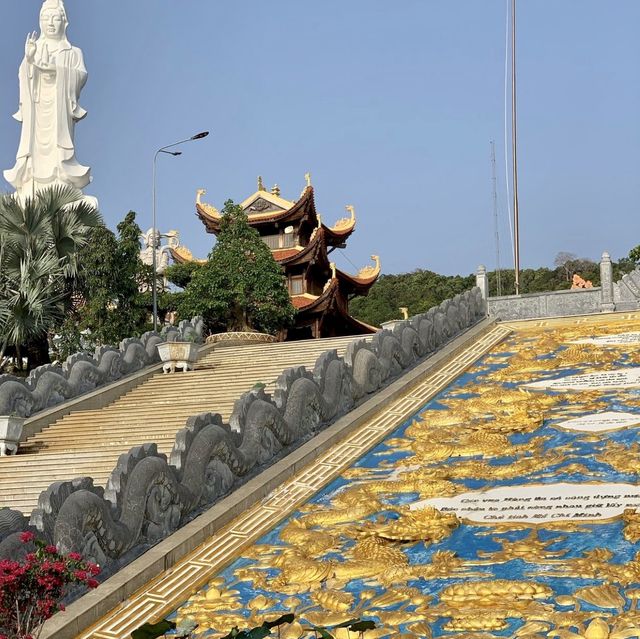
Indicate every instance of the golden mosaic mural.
{"type": "Point", "coordinates": [507, 505]}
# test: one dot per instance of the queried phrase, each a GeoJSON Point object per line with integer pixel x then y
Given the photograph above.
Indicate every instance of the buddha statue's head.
{"type": "Point", "coordinates": [53, 20]}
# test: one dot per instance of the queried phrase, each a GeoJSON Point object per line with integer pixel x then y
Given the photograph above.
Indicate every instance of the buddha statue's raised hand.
{"type": "Point", "coordinates": [30, 47]}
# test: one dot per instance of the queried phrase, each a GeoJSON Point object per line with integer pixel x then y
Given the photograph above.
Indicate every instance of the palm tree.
{"type": "Point", "coordinates": [39, 241]}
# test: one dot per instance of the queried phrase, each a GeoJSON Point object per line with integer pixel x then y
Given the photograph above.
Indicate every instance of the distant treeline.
{"type": "Point", "coordinates": [420, 290]}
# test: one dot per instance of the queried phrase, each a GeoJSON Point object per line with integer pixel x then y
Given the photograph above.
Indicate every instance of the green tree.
{"type": "Point", "coordinates": [625, 264]}
{"type": "Point", "coordinates": [241, 287]}
{"type": "Point", "coordinates": [181, 274]}
{"type": "Point", "coordinates": [39, 242]}
{"type": "Point", "coordinates": [129, 304]}
{"type": "Point", "coordinates": [108, 284]}
{"type": "Point", "coordinates": [423, 289]}
{"type": "Point", "coordinates": [418, 291]}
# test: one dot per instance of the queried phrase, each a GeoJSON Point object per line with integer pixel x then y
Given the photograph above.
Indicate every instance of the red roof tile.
{"type": "Point", "coordinates": [283, 254]}
{"type": "Point", "coordinates": [300, 301]}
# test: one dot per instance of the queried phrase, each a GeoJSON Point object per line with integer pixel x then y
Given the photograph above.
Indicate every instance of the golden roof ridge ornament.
{"type": "Point", "coordinates": [307, 177]}
{"type": "Point", "coordinates": [261, 184]}
{"type": "Point", "coordinates": [368, 272]}
{"type": "Point", "coordinates": [209, 209]}
{"type": "Point", "coordinates": [333, 270]}
{"type": "Point", "coordinates": [346, 222]}
{"type": "Point", "coordinates": [275, 190]}
{"type": "Point", "coordinates": [187, 255]}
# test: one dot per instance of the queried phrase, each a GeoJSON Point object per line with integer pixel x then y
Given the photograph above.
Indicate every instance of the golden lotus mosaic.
{"type": "Point", "coordinates": [481, 516]}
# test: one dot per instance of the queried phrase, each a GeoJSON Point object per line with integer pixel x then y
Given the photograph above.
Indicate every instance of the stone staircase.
{"type": "Point", "coordinates": [89, 442]}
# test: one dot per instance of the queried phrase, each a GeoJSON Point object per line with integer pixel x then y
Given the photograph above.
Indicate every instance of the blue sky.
{"type": "Point", "coordinates": [390, 105]}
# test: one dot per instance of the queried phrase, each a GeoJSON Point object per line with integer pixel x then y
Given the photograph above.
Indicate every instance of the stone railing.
{"type": "Point", "coordinates": [53, 384]}
{"type": "Point", "coordinates": [580, 301]}
{"type": "Point", "coordinates": [149, 497]}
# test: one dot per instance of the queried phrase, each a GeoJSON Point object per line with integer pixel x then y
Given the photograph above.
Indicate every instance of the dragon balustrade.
{"type": "Point", "coordinates": [53, 384]}
{"type": "Point", "coordinates": [148, 496]}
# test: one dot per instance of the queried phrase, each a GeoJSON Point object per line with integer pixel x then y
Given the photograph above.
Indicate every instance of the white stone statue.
{"type": "Point", "coordinates": [164, 255]}
{"type": "Point", "coordinates": [163, 251]}
{"type": "Point", "coordinates": [52, 75]}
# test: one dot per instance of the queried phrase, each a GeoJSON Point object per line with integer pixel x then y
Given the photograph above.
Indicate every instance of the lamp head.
{"type": "Point", "coordinates": [199, 136]}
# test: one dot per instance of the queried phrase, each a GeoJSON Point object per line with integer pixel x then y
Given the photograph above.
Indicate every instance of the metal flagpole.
{"type": "Point", "coordinates": [514, 149]}
{"type": "Point", "coordinates": [494, 184]}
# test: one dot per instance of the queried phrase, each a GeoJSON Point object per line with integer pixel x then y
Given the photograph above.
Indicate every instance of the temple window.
{"type": "Point", "coordinates": [288, 240]}
{"type": "Point", "coordinates": [280, 241]}
{"type": "Point", "coordinates": [296, 285]}
{"type": "Point", "coordinates": [272, 241]}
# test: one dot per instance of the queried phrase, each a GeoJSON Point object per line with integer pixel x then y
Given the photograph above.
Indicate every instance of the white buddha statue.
{"type": "Point", "coordinates": [52, 75]}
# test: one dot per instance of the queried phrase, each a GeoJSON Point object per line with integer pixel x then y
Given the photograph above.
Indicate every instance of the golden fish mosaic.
{"type": "Point", "coordinates": [508, 506]}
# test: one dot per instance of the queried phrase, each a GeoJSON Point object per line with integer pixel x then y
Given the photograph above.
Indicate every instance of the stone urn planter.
{"type": "Point", "coordinates": [178, 355]}
{"type": "Point", "coordinates": [10, 433]}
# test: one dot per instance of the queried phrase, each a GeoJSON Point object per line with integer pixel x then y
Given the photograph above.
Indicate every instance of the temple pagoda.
{"type": "Point", "coordinates": [301, 243]}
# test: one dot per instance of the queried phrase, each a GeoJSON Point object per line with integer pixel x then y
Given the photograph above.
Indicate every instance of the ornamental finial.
{"type": "Point", "coordinates": [333, 270]}
{"type": "Point", "coordinates": [261, 184]}
{"type": "Point", "coordinates": [405, 312]}
{"type": "Point", "coordinates": [275, 190]}
{"type": "Point", "coordinates": [307, 177]}
{"type": "Point", "coordinates": [210, 210]}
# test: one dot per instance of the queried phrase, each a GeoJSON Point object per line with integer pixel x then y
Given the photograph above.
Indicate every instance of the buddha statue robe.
{"type": "Point", "coordinates": [50, 86]}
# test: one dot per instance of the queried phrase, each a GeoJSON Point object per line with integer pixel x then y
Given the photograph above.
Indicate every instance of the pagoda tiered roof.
{"type": "Point", "coordinates": [301, 243]}
{"type": "Point", "coordinates": [342, 282]}
{"type": "Point", "coordinates": [330, 303]}
{"type": "Point", "coordinates": [264, 207]}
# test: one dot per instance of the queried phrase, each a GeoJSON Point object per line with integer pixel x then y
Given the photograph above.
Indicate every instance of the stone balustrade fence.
{"type": "Point", "coordinates": [53, 384]}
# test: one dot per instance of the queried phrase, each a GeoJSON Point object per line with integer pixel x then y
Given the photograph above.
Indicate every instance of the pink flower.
{"type": "Point", "coordinates": [37, 584]}
{"type": "Point", "coordinates": [27, 537]}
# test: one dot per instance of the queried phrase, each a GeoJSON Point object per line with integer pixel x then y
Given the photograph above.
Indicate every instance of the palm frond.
{"type": "Point", "coordinates": [58, 197]}
{"type": "Point", "coordinates": [39, 240]}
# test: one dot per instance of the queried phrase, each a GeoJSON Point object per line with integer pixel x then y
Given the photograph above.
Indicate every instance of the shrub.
{"type": "Point", "coordinates": [32, 590]}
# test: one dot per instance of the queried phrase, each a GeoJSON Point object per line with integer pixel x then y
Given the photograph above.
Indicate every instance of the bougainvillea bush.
{"type": "Point", "coordinates": [32, 590]}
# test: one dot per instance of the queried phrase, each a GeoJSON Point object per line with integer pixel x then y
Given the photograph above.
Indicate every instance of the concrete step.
{"type": "Point", "coordinates": [89, 442]}
{"type": "Point", "coordinates": [123, 443]}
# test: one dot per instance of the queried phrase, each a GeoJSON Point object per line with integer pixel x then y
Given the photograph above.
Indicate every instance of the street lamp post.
{"type": "Point", "coordinates": [164, 149]}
